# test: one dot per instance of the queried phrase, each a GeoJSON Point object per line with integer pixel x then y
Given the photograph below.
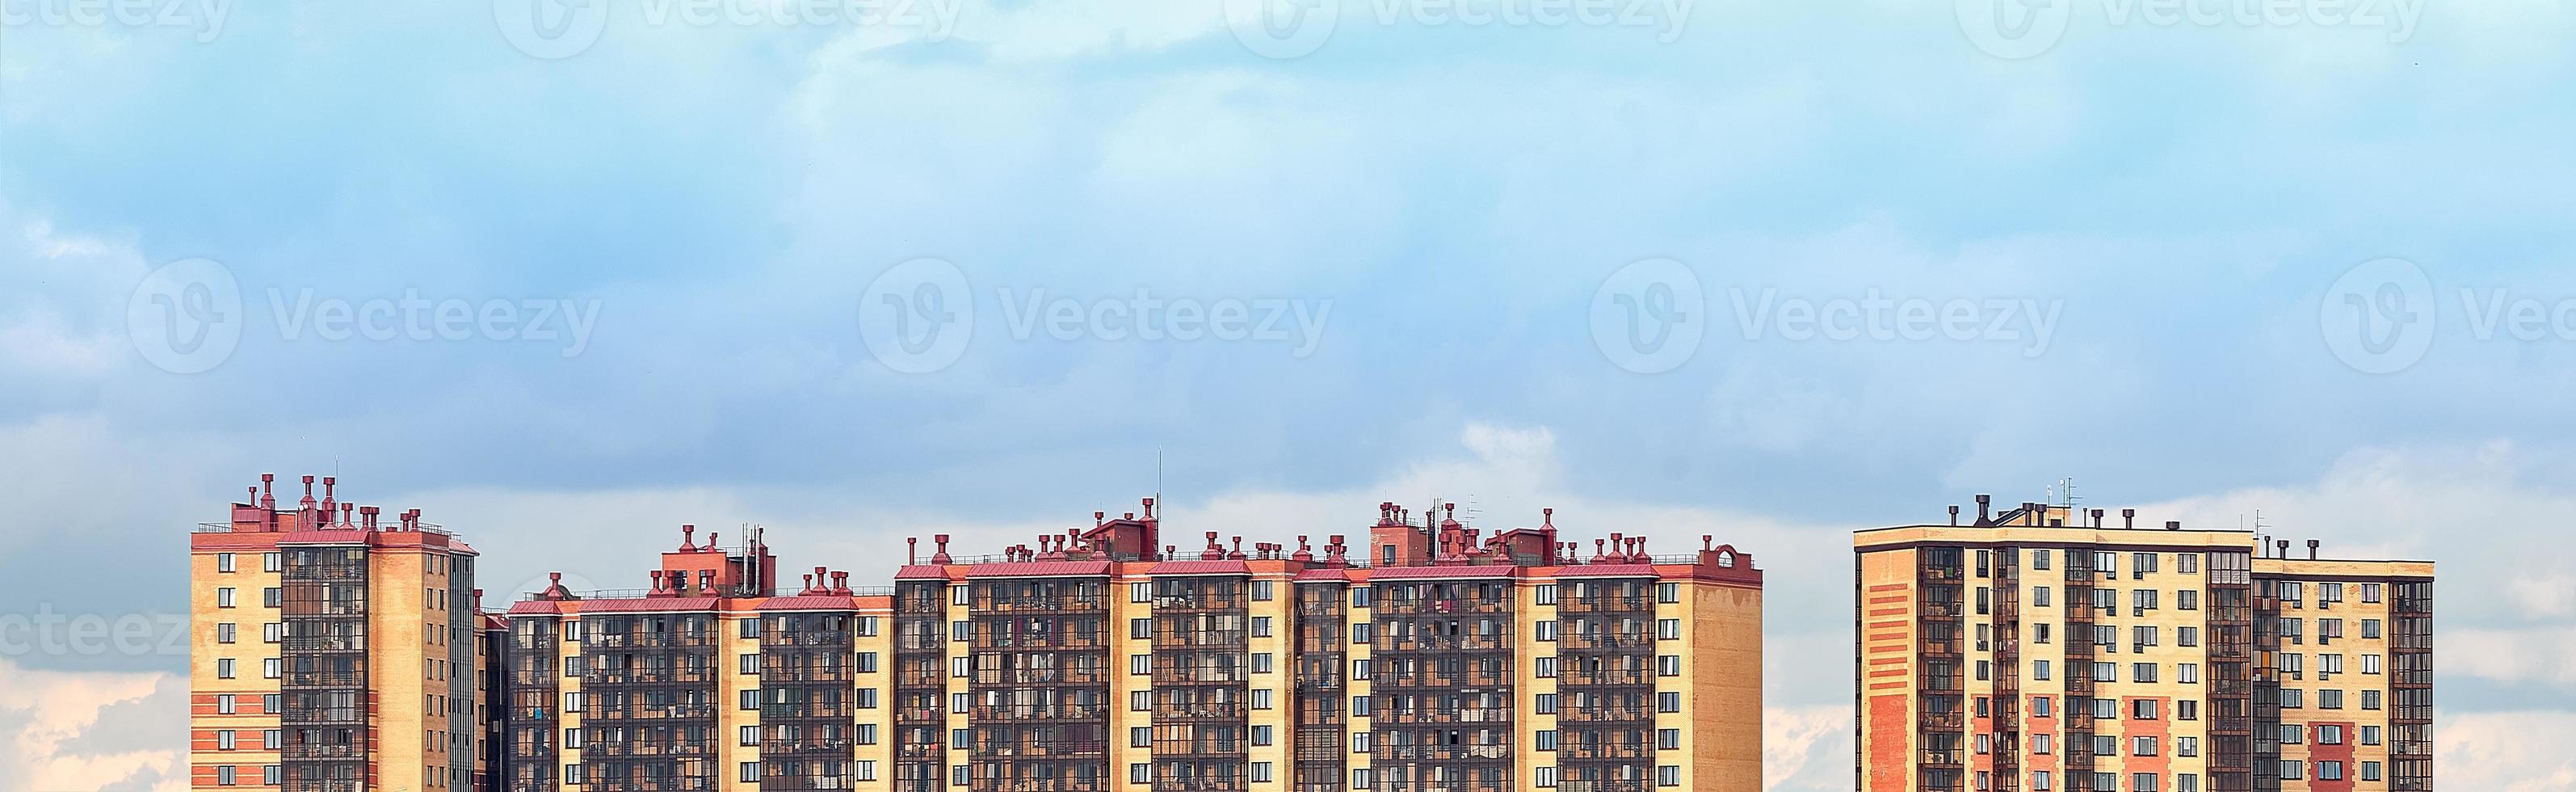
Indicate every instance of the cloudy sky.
{"type": "Point", "coordinates": [567, 276]}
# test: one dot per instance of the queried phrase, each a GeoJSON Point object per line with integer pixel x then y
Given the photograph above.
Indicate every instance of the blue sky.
{"type": "Point", "coordinates": [2151, 229]}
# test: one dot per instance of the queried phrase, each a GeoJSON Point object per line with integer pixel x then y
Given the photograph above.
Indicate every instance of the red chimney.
{"type": "Point", "coordinates": [940, 557]}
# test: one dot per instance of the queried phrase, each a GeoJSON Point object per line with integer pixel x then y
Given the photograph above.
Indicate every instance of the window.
{"type": "Point", "coordinates": [2041, 706]}
{"type": "Point", "coordinates": [1261, 662]}
{"type": "Point", "coordinates": [2187, 599]}
{"type": "Point", "coordinates": [1546, 594]}
{"type": "Point", "coordinates": [1261, 698]}
{"type": "Point", "coordinates": [1140, 773]}
{"type": "Point", "coordinates": [224, 632]}
{"type": "Point", "coordinates": [1260, 772]}
{"type": "Point", "coordinates": [1360, 597]}
{"type": "Point", "coordinates": [751, 772]}
{"type": "Point", "coordinates": [224, 668]}
{"type": "Point", "coordinates": [1546, 739]}
{"type": "Point", "coordinates": [1668, 702]}
{"type": "Point", "coordinates": [1668, 739]}
{"type": "Point", "coordinates": [270, 562]}
{"type": "Point", "coordinates": [1140, 665]}
{"type": "Point", "coordinates": [1360, 742]}
{"type": "Point", "coordinates": [224, 775]}
{"type": "Point", "coordinates": [272, 632]}
{"type": "Point", "coordinates": [1668, 665]}
{"type": "Point", "coordinates": [1546, 704]}
{"type": "Point", "coordinates": [2187, 636]}
{"type": "Point", "coordinates": [1668, 592]}
{"type": "Point", "coordinates": [1140, 629]}
{"type": "Point", "coordinates": [750, 700]}
{"type": "Point", "coordinates": [750, 628]}
{"type": "Point", "coordinates": [1261, 735]}
{"type": "Point", "coordinates": [751, 662]}
{"type": "Point", "coordinates": [2039, 670]}
{"type": "Point", "coordinates": [2142, 746]}
{"type": "Point", "coordinates": [270, 597]}
{"type": "Point", "coordinates": [1545, 630]}
{"type": "Point", "coordinates": [2142, 565]}
{"type": "Point", "coordinates": [1668, 629]}
{"type": "Point", "coordinates": [1545, 778]}
{"type": "Point", "coordinates": [1261, 591]}
{"type": "Point", "coordinates": [867, 734]}
{"type": "Point", "coordinates": [957, 596]}
{"type": "Point", "coordinates": [223, 739]}
{"type": "Point", "coordinates": [2187, 709]}
{"type": "Point", "coordinates": [223, 562]}
{"type": "Point", "coordinates": [2143, 709]}
{"type": "Point", "coordinates": [223, 598]}
{"type": "Point", "coordinates": [750, 736]}
{"type": "Point", "coordinates": [2187, 673]}
{"type": "Point", "coordinates": [1140, 701]}
{"type": "Point", "coordinates": [2143, 782]}
{"type": "Point", "coordinates": [1546, 667]}
{"type": "Point", "coordinates": [1668, 775]}
{"type": "Point", "coordinates": [2142, 673]}
{"type": "Point", "coordinates": [2186, 563]}
{"type": "Point", "coordinates": [1140, 736]}
{"type": "Point", "coordinates": [1140, 592]}
{"type": "Point", "coordinates": [1260, 626]}
{"type": "Point", "coordinates": [269, 669]}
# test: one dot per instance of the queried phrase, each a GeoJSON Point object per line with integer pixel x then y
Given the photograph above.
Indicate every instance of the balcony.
{"type": "Point", "coordinates": [660, 676]}
{"type": "Point", "coordinates": [603, 749]}
{"type": "Point", "coordinates": [806, 710]}
{"type": "Point", "coordinates": [602, 712]}
{"type": "Point", "coordinates": [1046, 676]}
{"type": "Point", "coordinates": [1571, 752]}
{"type": "Point", "coordinates": [1037, 712]}
{"type": "Point", "coordinates": [1200, 711]}
{"type": "Point", "coordinates": [1448, 753]}
{"type": "Point", "coordinates": [1041, 604]}
{"type": "Point", "coordinates": [604, 640]}
{"type": "Point", "coordinates": [1577, 715]}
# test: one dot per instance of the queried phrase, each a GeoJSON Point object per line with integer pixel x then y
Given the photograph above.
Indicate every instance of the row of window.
{"type": "Point", "coordinates": [2043, 781]}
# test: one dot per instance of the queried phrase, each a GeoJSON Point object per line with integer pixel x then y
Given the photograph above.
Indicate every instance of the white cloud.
{"type": "Point", "coordinates": [2505, 751]}
{"type": "Point", "coordinates": [46, 720]}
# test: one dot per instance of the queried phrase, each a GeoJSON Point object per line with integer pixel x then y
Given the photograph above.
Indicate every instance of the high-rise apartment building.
{"type": "Point", "coordinates": [2039, 649]}
{"type": "Point", "coordinates": [1433, 659]}
{"type": "Point", "coordinates": [330, 653]}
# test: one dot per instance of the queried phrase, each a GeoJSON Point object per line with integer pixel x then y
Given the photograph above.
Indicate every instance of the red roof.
{"type": "Point", "coordinates": [333, 536]}
{"type": "Point", "coordinates": [1607, 570]}
{"type": "Point", "coordinates": [534, 606]}
{"type": "Point", "coordinates": [1323, 575]}
{"type": "Point", "coordinates": [922, 572]}
{"type": "Point", "coordinates": [1038, 569]}
{"type": "Point", "coordinates": [649, 605]}
{"type": "Point", "coordinates": [1228, 567]}
{"type": "Point", "coordinates": [1442, 572]}
{"type": "Point", "coordinates": [811, 602]}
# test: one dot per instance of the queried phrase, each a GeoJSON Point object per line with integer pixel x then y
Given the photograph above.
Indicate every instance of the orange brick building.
{"type": "Point", "coordinates": [330, 652]}
{"type": "Point", "coordinates": [2039, 649]}
{"type": "Point", "coordinates": [1434, 659]}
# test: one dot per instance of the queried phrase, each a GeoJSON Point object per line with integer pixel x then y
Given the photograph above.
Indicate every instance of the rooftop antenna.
{"type": "Point", "coordinates": [1158, 481]}
{"type": "Point", "coordinates": [1471, 510]}
{"type": "Point", "coordinates": [2062, 493]}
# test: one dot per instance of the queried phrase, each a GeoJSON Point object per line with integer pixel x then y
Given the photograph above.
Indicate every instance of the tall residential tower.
{"type": "Point", "coordinates": [2040, 649]}
{"type": "Point", "coordinates": [332, 653]}
{"type": "Point", "coordinates": [1432, 659]}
